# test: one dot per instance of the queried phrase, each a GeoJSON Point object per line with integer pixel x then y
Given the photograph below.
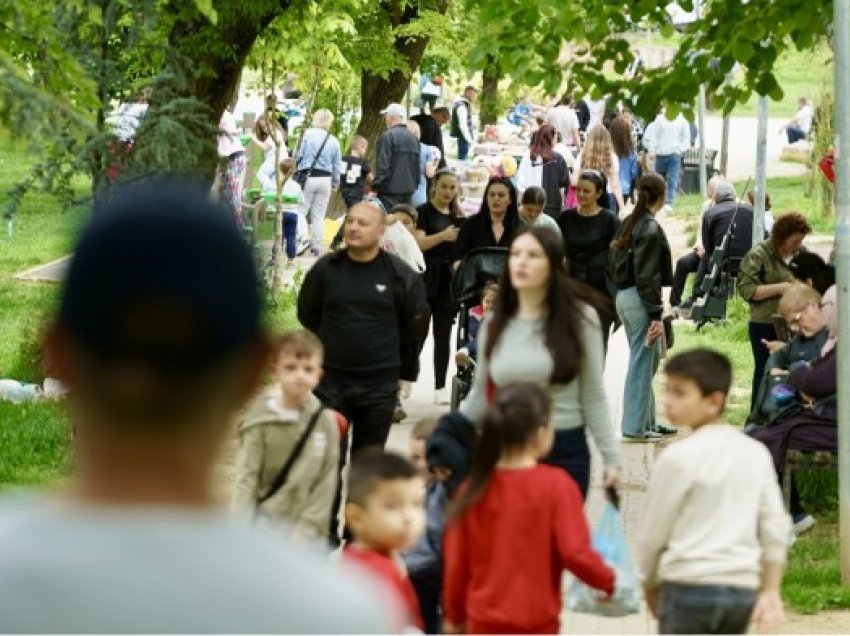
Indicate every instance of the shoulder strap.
{"type": "Point", "coordinates": [280, 480]}
{"type": "Point", "coordinates": [318, 154]}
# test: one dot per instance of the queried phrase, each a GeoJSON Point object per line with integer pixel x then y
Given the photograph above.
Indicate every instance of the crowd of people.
{"type": "Point", "coordinates": [472, 531]}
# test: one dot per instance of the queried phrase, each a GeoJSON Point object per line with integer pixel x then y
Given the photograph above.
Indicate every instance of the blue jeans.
{"type": "Point", "coordinates": [462, 149]}
{"type": "Point", "coordinates": [571, 453]}
{"type": "Point", "coordinates": [290, 233]}
{"type": "Point", "coordinates": [704, 609]}
{"type": "Point", "coordinates": [669, 167]}
{"type": "Point", "coordinates": [638, 397]}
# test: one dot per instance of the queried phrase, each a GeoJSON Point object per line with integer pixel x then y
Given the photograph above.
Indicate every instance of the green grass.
{"type": "Point", "coordinates": [786, 194]}
{"type": "Point", "coordinates": [33, 438]}
{"type": "Point", "coordinates": [800, 74]}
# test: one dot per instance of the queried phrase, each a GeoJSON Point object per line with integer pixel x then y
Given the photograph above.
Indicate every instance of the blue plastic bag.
{"type": "Point", "coordinates": [609, 540]}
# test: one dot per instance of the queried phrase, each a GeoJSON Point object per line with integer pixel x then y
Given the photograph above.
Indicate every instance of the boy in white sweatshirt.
{"type": "Point", "coordinates": [715, 529]}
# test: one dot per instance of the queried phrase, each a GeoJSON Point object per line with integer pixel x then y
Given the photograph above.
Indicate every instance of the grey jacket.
{"type": "Point", "coordinates": [398, 162]}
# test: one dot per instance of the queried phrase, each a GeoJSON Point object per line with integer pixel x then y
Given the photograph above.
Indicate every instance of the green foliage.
{"type": "Point", "coordinates": [532, 37]}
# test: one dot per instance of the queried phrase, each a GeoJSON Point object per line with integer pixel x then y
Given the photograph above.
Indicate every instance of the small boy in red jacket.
{"type": "Point", "coordinates": [385, 512]}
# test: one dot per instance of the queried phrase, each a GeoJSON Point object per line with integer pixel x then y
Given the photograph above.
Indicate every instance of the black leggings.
{"type": "Point", "coordinates": [442, 319]}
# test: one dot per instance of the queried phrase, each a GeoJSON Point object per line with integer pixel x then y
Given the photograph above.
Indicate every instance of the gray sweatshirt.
{"type": "Point", "coordinates": [522, 356]}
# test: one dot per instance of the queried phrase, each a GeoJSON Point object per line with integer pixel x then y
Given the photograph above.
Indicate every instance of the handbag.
{"type": "Point", "coordinates": [300, 177]}
{"type": "Point", "coordinates": [282, 476]}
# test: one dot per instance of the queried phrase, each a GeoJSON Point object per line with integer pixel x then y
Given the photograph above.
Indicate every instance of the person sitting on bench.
{"type": "Point", "coordinates": [811, 425]}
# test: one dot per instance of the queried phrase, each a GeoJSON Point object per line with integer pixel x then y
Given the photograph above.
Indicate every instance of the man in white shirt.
{"type": "Point", "coordinates": [462, 127]}
{"type": "Point", "coordinates": [159, 339]}
{"type": "Point", "coordinates": [564, 119]}
{"type": "Point", "coordinates": [799, 127]}
{"type": "Point", "coordinates": [666, 140]}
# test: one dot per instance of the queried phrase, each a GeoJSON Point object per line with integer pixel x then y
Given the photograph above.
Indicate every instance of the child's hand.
{"type": "Point", "coordinates": [768, 612]}
{"type": "Point", "coordinates": [450, 234]}
{"type": "Point", "coordinates": [451, 628]}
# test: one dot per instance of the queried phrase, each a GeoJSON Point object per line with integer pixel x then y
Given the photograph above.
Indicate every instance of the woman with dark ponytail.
{"type": "Point", "coordinates": [515, 522]}
{"type": "Point", "coordinates": [642, 265]}
{"type": "Point", "coordinates": [545, 329]}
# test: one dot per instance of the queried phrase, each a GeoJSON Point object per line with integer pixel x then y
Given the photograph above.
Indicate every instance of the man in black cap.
{"type": "Point", "coordinates": [159, 340]}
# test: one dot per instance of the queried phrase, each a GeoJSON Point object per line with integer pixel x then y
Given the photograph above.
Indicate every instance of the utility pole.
{"type": "Point", "coordinates": [841, 54]}
{"type": "Point", "coordinates": [761, 171]}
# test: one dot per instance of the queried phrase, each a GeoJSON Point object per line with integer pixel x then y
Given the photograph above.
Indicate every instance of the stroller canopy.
{"type": "Point", "coordinates": [477, 267]}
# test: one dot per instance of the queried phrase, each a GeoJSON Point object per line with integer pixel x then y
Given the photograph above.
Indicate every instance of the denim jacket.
{"type": "Point", "coordinates": [329, 159]}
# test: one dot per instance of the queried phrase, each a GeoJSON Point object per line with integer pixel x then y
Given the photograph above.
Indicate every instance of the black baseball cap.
{"type": "Point", "coordinates": [162, 276]}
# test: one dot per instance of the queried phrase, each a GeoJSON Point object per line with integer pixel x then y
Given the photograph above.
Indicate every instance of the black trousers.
{"type": "Point", "coordinates": [443, 311]}
{"type": "Point", "coordinates": [687, 264]}
{"type": "Point", "coordinates": [368, 404]}
{"type": "Point", "coordinates": [570, 452]}
{"type": "Point", "coordinates": [389, 200]}
{"type": "Point", "coordinates": [759, 331]}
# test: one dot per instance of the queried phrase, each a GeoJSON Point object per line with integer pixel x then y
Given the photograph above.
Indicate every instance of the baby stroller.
{"type": "Point", "coordinates": [477, 268]}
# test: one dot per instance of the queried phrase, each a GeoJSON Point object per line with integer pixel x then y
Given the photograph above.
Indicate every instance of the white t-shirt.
{"type": "Point", "coordinates": [70, 569]}
{"type": "Point", "coordinates": [804, 118]}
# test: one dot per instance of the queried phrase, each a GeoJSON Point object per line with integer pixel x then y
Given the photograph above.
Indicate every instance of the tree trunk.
{"type": "Point", "coordinates": [375, 91]}
{"type": "Point", "coordinates": [490, 92]}
{"type": "Point", "coordinates": [204, 62]}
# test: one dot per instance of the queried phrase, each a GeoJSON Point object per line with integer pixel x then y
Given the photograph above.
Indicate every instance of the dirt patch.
{"type": "Point", "coordinates": [832, 622]}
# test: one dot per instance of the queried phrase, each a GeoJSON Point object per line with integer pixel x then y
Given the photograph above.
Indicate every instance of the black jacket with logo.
{"type": "Point", "coordinates": [370, 316]}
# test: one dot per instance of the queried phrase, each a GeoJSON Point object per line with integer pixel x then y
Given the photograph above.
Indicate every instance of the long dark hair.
{"type": "Point", "coordinates": [563, 320]}
{"type": "Point", "coordinates": [519, 410]}
{"type": "Point", "coordinates": [543, 144]}
{"type": "Point", "coordinates": [512, 213]}
{"type": "Point", "coordinates": [650, 188]}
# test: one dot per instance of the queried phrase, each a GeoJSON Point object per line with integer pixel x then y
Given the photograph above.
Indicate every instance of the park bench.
{"type": "Point", "coordinates": [799, 460]}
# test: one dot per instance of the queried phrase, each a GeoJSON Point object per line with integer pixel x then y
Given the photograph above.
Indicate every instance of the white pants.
{"type": "Point", "coordinates": [266, 176]}
{"type": "Point", "coordinates": [317, 196]}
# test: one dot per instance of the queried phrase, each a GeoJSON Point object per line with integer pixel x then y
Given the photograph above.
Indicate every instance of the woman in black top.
{"type": "Point", "coordinates": [496, 222]}
{"type": "Point", "coordinates": [437, 224]}
{"type": "Point", "coordinates": [642, 266]}
{"type": "Point", "coordinates": [588, 231]}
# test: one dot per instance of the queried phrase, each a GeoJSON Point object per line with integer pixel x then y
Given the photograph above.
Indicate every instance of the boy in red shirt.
{"type": "Point", "coordinates": [385, 513]}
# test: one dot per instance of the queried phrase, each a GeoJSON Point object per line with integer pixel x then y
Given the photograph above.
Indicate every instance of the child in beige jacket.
{"type": "Point", "coordinates": [270, 432]}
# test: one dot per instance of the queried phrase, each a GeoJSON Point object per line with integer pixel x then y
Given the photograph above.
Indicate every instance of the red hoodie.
{"type": "Point", "coordinates": [504, 557]}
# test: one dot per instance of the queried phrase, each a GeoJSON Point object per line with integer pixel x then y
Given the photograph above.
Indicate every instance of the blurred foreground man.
{"type": "Point", "coordinates": [159, 338]}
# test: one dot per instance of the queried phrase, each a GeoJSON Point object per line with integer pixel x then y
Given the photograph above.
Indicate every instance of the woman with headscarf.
{"type": "Point", "coordinates": [811, 426]}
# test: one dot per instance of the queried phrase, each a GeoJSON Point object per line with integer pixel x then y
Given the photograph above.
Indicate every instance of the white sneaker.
{"type": "Point", "coordinates": [441, 396]}
{"type": "Point", "coordinates": [803, 523]}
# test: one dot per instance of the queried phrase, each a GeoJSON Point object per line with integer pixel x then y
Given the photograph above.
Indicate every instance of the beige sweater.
{"type": "Point", "coordinates": [714, 512]}
{"type": "Point", "coordinates": [266, 440]}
